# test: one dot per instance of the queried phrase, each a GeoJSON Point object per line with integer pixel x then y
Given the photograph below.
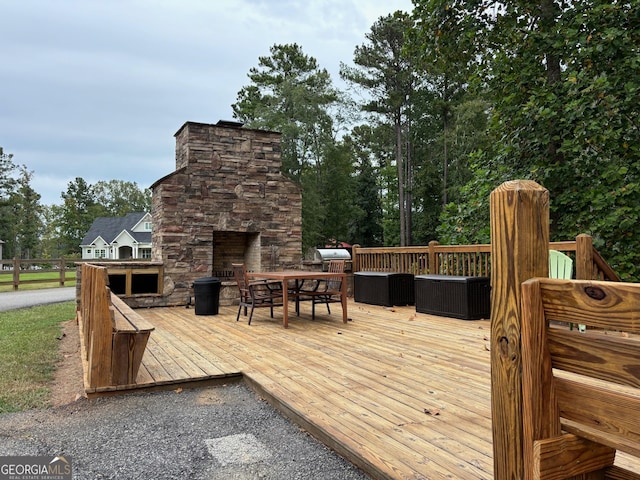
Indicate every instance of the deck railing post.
{"type": "Point", "coordinates": [519, 251]}
{"type": "Point", "coordinates": [584, 257]}
{"type": "Point", "coordinates": [355, 260]}
{"type": "Point", "coordinates": [433, 257]}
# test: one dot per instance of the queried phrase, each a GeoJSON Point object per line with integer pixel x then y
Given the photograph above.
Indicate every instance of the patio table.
{"type": "Point", "coordinates": [296, 275]}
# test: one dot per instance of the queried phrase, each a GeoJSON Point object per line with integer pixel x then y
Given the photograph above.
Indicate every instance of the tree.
{"type": "Point", "coordinates": [291, 94]}
{"type": "Point", "coordinates": [385, 73]}
{"type": "Point", "coordinates": [449, 110]}
{"type": "Point", "coordinates": [28, 216]}
{"type": "Point", "coordinates": [51, 239]}
{"type": "Point", "coordinates": [75, 215]}
{"type": "Point", "coordinates": [337, 184]}
{"type": "Point", "coordinates": [7, 210]}
{"type": "Point", "coordinates": [365, 225]}
{"type": "Point", "coordinates": [118, 197]}
{"type": "Point", "coordinates": [564, 86]}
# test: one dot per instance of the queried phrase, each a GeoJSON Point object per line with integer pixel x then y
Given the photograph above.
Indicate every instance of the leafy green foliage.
{"type": "Point", "coordinates": [7, 211]}
{"type": "Point", "coordinates": [563, 82]}
{"type": "Point", "coordinates": [75, 215]}
{"type": "Point", "coordinates": [118, 198]}
{"type": "Point", "coordinates": [365, 224]}
{"type": "Point", "coordinates": [290, 94]}
{"type": "Point", "coordinates": [28, 219]}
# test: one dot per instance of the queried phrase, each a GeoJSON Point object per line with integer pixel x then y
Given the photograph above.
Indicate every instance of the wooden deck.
{"type": "Point", "coordinates": [400, 394]}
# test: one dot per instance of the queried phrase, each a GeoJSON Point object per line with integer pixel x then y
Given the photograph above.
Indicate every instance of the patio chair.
{"type": "Point", "coordinates": [561, 266]}
{"type": "Point", "coordinates": [255, 294]}
{"type": "Point", "coordinates": [325, 290]}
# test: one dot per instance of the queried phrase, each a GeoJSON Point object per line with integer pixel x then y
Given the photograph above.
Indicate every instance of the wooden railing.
{"type": "Point", "coordinates": [470, 260]}
{"type": "Point", "coordinates": [25, 271]}
{"type": "Point", "coordinates": [114, 336]}
{"type": "Point", "coordinates": [529, 438]}
{"type": "Point", "coordinates": [581, 391]}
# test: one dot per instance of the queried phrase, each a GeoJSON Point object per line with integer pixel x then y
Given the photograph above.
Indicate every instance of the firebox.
{"type": "Point", "coordinates": [235, 247]}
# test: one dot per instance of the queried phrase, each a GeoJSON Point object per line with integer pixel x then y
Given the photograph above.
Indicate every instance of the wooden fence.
{"type": "Point", "coordinates": [471, 260]}
{"type": "Point", "coordinates": [25, 271]}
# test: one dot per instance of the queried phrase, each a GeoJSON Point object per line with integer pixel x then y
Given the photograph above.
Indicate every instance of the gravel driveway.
{"type": "Point", "coordinates": [221, 432]}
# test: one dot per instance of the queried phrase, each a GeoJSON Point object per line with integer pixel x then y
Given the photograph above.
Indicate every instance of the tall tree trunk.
{"type": "Point", "coordinates": [409, 182]}
{"type": "Point", "coordinates": [400, 165]}
{"type": "Point", "coordinates": [445, 150]}
{"type": "Point", "coordinates": [548, 11]}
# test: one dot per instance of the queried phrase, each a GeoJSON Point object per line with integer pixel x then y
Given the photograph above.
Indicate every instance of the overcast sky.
{"type": "Point", "coordinates": [97, 88]}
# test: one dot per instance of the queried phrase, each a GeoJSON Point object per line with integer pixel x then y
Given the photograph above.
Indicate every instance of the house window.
{"type": "Point", "coordinates": [147, 226]}
{"type": "Point", "coordinates": [145, 253]}
{"type": "Point", "coordinates": [99, 253]}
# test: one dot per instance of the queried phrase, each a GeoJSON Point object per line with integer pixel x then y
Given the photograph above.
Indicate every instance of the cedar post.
{"type": "Point", "coordinates": [584, 257]}
{"type": "Point", "coordinates": [355, 261]}
{"type": "Point", "coordinates": [519, 251]}
{"type": "Point", "coordinates": [16, 273]}
{"type": "Point", "coordinates": [433, 257]}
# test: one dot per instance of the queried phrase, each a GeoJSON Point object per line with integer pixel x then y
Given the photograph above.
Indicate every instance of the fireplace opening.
{"type": "Point", "coordinates": [234, 247]}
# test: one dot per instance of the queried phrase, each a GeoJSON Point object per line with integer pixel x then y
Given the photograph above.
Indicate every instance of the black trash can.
{"type": "Point", "coordinates": [207, 295]}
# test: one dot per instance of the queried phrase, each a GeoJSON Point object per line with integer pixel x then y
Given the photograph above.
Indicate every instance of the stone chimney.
{"type": "Point", "coordinates": [226, 202]}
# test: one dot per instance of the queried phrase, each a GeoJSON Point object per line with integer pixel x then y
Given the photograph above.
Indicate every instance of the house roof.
{"type": "Point", "coordinates": [110, 227]}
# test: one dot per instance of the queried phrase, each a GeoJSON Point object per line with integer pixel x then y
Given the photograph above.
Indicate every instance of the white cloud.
{"type": "Point", "coordinates": [97, 89]}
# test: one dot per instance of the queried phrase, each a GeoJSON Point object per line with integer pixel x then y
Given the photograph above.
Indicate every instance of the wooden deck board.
{"type": "Point", "coordinates": [400, 394]}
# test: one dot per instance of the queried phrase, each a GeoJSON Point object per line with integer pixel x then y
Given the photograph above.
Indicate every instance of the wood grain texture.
{"type": "Point", "coordinates": [519, 251]}
{"type": "Point", "coordinates": [586, 384]}
{"type": "Point", "coordinates": [401, 394]}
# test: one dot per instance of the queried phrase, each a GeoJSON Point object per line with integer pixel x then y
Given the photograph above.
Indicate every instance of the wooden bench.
{"type": "Point", "coordinates": [115, 336]}
{"type": "Point", "coordinates": [581, 391]}
{"type": "Point", "coordinates": [129, 340]}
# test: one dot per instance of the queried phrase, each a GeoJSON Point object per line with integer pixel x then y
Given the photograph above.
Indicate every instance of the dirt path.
{"type": "Point", "coordinates": [68, 383]}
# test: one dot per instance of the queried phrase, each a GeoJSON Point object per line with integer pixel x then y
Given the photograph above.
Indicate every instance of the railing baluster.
{"type": "Point", "coordinates": [466, 260]}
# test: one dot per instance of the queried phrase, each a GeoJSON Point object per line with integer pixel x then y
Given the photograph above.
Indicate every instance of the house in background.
{"type": "Point", "coordinates": [123, 238]}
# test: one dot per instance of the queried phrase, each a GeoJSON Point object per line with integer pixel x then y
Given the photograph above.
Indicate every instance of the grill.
{"type": "Point", "coordinates": [324, 255]}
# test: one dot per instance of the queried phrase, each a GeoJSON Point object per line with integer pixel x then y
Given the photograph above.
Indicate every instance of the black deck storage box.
{"type": "Point", "coordinates": [468, 298]}
{"type": "Point", "coordinates": [383, 288]}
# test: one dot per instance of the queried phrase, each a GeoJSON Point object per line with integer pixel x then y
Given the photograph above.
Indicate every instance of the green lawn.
{"type": "Point", "coordinates": [29, 275]}
{"type": "Point", "coordinates": [29, 354]}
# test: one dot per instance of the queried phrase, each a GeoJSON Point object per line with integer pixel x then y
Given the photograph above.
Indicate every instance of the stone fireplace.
{"type": "Point", "coordinates": [225, 203]}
